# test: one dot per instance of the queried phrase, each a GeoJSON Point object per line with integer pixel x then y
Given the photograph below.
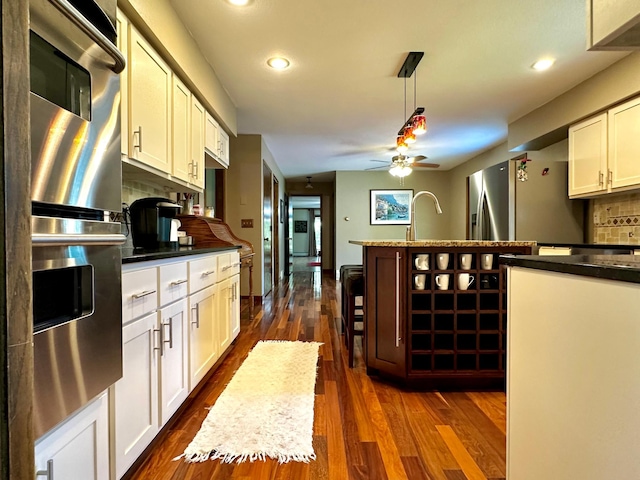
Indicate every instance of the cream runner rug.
{"type": "Point", "coordinates": [266, 410]}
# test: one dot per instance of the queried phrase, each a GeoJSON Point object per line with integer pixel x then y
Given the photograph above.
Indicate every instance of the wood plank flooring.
{"type": "Point", "coordinates": [364, 428]}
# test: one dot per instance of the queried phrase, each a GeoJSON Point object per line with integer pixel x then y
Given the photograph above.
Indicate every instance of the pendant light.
{"type": "Point", "coordinates": [419, 124]}
{"type": "Point", "coordinates": [308, 185]}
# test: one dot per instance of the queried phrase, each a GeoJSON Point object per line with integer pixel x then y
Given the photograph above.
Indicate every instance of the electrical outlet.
{"type": "Point", "coordinates": [246, 223]}
{"type": "Point", "coordinates": [596, 218]}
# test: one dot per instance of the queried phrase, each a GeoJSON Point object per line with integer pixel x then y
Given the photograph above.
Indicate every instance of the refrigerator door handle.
{"type": "Point", "coordinates": [480, 217]}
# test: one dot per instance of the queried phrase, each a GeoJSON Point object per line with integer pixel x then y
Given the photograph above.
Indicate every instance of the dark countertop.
{"type": "Point", "coordinates": [624, 268]}
{"type": "Point", "coordinates": [133, 255]}
{"type": "Point", "coordinates": [605, 247]}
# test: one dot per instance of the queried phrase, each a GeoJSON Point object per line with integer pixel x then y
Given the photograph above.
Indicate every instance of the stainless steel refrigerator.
{"type": "Point", "coordinates": [503, 208]}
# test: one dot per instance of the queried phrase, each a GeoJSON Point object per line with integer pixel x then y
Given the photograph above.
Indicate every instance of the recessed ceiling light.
{"type": "Point", "coordinates": [239, 3]}
{"type": "Point", "coordinates": [279, 63]}
{"type": "Point", "coordinates": [543, 64]}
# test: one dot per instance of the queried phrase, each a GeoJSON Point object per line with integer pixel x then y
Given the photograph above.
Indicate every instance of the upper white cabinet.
{"type": "Point", "coordinates": [613, 25]}
{"type": "Point", "coordinates": [197, 142]}
{"type": "Point", "coordinates": [78, 447]}
{"type": "Point", "coordinates": [122, 30]}
{"type": "Point", "coordinates": [181, 103]}
{"type": "Point", "coordinates": [604, 152]}
{"type": "Point", "coordinates": [217, 143]}
{"type": "Point", "coordinates": [149, 104]}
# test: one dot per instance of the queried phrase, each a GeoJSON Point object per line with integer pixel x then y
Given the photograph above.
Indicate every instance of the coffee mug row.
{"type": "Point", "coordinates": [442, 281]}
{"type": "Point", "coordinates": [442, 261]}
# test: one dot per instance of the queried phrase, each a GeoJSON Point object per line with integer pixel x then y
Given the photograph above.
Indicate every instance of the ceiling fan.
{"type": "Point", "coordinates": [405, 161]}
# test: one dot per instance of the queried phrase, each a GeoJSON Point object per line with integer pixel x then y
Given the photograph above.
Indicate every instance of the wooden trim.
{"type": "Point", "coordinates": [16, 360]}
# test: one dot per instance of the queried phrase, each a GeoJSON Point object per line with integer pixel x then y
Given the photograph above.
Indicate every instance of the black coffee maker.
{"type": "Point", "coordinates": [151, 222]}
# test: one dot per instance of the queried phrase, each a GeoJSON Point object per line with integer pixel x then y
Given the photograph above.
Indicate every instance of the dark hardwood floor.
{"type": "Point", "coordinates": [364, 428]}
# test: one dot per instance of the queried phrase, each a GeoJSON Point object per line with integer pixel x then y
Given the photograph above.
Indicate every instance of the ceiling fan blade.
{"type": "Point", "coordinates": [381, 161]}
{"type": "Point", "coordinates": [426, 165]}
{"type": "Point", "coordinates": [419, 158]}
{"type": "Point", "coordinates": [376, 168]}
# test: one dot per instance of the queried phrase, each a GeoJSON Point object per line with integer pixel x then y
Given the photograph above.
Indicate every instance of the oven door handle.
{"type": "Point", "coordinates": [55, 239]}
{"type": "Point", "coordinates": [96, 35]}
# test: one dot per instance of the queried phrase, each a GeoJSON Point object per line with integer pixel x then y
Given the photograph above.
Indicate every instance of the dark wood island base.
{"type": "Point", "coordinates": [435, 312]}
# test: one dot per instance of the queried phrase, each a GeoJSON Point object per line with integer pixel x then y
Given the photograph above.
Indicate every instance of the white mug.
{"type": "Point", "coordinates": [443, 261]}
{"type": "Point", "coordinates": [486, 261]}
{"type": "Point", "coordinates": [422, 261]}
{"type": "Point", "coordinates": [464, 281]}
{"type": "Point", "coordinates": [465, 261]}
{"type": "Point", "coordinates": [442, 281]}
{"type": "Point", "coordinates": [419, 281]}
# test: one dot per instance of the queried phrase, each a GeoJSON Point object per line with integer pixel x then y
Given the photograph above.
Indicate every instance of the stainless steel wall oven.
{"type": "Point", "coordinates": [75, 182]}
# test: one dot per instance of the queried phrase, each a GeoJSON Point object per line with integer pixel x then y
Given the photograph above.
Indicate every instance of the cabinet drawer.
{"type": "Point", "coordinates": [173, 282]}
{"type": "Point", "coordinates": [202, 273]}
{"type": "Point", "coordinates": [139, 293]}
{"type": "Point", "coordinates": [228, 265]}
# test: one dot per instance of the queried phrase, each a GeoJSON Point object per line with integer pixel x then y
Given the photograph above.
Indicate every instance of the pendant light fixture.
{"type": "Point", "coordinates": [308, 185]}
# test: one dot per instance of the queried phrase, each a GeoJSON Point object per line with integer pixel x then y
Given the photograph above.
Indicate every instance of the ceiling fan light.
{"type": "Point", "coordinates": [409, 136]}
{"type": "Point", "coordinates": [419, 125]}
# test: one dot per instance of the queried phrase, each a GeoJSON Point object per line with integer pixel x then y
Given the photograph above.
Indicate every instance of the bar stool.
{"type": "Point", "coordinates": [353, 287]}
{"type": "Point", "coordinates": [343, 297]}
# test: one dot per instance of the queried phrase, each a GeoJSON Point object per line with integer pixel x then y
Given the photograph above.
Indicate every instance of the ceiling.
{"type": "Point", "coordinates": [340, 104]}
{"type": "Point", "coordinates": [304, 202]}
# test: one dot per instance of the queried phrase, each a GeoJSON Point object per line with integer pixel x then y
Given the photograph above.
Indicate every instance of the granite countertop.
{"type": "Point", "coordinates": [133, 255]}
{"type": "Point", "coordinates": [442, 243]}
{"type": "Point", "coordinates": [624, 268]}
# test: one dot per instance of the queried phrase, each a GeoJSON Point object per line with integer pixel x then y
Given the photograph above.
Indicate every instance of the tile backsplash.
{"type": "Point", "coordinates": [616, 219]}
{"type": "Point", "coordinates": [131, 191]}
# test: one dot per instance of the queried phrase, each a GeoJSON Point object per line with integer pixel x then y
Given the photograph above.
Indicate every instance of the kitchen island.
{"type": "Point", "coordinates": [435, 311]}
{"type": "Point", "coordinates": [573, 371]}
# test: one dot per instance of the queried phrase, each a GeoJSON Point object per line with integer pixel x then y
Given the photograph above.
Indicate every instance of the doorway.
{"type": "Point", "coordinates": [305, 247]}
{"type": "Point", "coordinates": [267, 228]}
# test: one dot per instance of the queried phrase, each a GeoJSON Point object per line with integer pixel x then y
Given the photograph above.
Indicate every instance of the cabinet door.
{"type": "Point", "coordinates": [135, 395]}
{"type": "Point", "coordinates": [203, 337]}
{"type": "Point", "coordinates": [588, 156]}
{"type": "Point", "coordinates": [174, 359]}
{"type": "Point", "coordinates": [149, 104]}
{"type": "Point", "coordinates": [386, 291]}
{"type": "Point", "coordinates": [211, 131]}
{"type": "Point", "coordinates": [224, 147]}
{"type": "Point", "coordinates": [624, 144]}
{"type": "Point", "coordinates": [181, 103]}
{"type": "Point", "coordinates": [122, 30]}
{"type": "Point", "coordinates": [197, 142]}
{"type": "Point", "coordinates": [79, 447]}
{"type": "Point", "coordinates": [235, 306]}
{"type": "Point", "coordinates": [223, 319]}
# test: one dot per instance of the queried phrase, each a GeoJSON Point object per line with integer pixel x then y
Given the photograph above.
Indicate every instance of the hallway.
{"type": "Point", "coordinates": [364, 428]}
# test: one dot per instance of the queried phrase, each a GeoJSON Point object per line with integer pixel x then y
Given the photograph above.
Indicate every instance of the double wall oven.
{"type": "Point", "coordinates": [75, 183]}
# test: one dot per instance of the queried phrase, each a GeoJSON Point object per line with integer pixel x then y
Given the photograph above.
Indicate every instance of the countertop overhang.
{"type": "Point", "coordinates": [442, 243]}
{"type": "Point", "coordinates": [624, 268]}
{"type": "Point", "coordinates": [133, 255]}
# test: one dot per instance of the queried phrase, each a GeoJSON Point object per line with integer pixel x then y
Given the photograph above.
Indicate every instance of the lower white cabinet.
{"type": "Point", "coordinates": [203, 334]}
{"type": "Point", "coordinates": [223, 319]}
{"type": "Point", "coordinates": [234, 315]}
{"type": "Point", "coordinates": [79, 447]}
{"type": "Point", "coordinates": [135, 396]}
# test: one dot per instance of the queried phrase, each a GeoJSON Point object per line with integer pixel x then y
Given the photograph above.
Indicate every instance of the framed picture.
{"type": "Point", "coordinates": [391, 207]}
{"type": "Point", "coordinates": [300, 226]}
{"type": "Point", "coordinates": [282, 212]}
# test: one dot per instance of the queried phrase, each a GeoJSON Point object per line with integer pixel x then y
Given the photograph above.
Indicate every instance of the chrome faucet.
{"type": "Point", "coordinates": [411, 230]}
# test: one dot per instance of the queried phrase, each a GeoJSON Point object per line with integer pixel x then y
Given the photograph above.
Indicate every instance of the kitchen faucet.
{"type": "Point", "coordinates": [411, 230]}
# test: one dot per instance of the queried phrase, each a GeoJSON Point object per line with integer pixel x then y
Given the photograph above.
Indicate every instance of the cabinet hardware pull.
{"type": "Point", "coordinates": [196, 307]}
{"type": "Point", "coordinates": [600, 178]}
{"type": "Point", "coordinates": [48, 472]}
{"type": "Point", "coordinates": [161, 340]}
{"type": "Point", "coordinates": [195, 168]}
{"type": "Point", "coordinates": [91, 31]}
{"type": "Point", "coordinates": [610, 177]}
{"type": "Point", "coordinates": [170, 325]}
{"type": "Point", "coordinates": [135, 296]}
{"type": "Point", "coordinates": [227, 267]}
{"type": "Point", "coordinates": [397, 299]}
{"type": "Point", "coordinates": [175, 283]}
{"type": "Point", "coordinates": [208, 272]}
{"type": "Point", "coordinates": [139, 132]}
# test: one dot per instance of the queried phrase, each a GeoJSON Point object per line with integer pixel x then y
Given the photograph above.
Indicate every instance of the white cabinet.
{"type": "Point", "coordinates": [122, 30]}
{"type": "Point", "coordinates": [174, 358]}
{"type": "Point", "coordinates": [79, 447]}
{"type": "Point", "coordinates": [613, 25]}
{"type": "Point", "coordinates": [216, 143]}
{"type": "Point", "coordinates": [181, 103]}
{"type": "Point", "coordinates": [149, 104]}
{"type": "Point", "coordinates": [588, 156]}
{"type": "Point", "coordinates": [203, 335]}
{"type": "Point", "coordinates": [135, 396]}
{"type": "Point", "coordinates": [223, 317]}
{"type": "Point", "coordinates": [197, 142]}
{"type": "Point", "coordinates": [604, 152]}
{"type": "Point", "coordinates": [234, 319]}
